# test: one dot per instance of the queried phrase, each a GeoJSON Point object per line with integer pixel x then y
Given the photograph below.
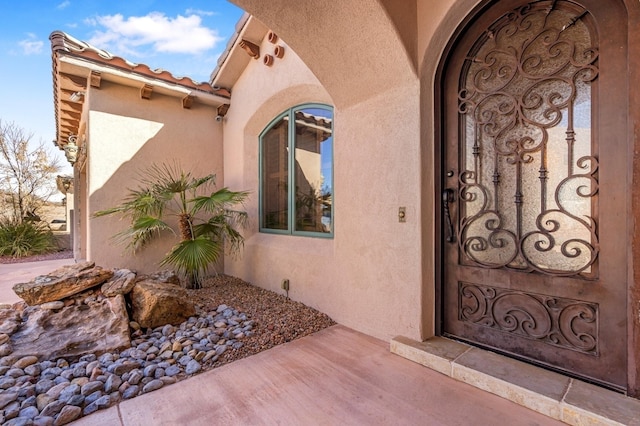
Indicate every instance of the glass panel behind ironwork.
{"type": "Point", "coordinates": [528, 181]}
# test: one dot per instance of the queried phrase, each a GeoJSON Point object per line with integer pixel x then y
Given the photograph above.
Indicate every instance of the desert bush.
{"type": "Point", "coordinates": [20, 239]}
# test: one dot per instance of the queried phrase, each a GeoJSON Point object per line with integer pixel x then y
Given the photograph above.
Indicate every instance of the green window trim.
{"type": "Point", "coordinates": [296, 151]}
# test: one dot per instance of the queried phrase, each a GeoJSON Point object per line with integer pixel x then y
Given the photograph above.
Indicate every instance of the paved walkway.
{"type": "Point", "coordinates": [13, 273]}
{"type": "Point", "coordinates": [336, 376]}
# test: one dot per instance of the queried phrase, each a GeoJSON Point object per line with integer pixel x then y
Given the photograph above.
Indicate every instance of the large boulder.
{"type": "Point", "coordinates": [63, 282]}
{"type": "Point", "coordinates": [99, 327]}
{"type": "Point", "coordinates": [155, 304]}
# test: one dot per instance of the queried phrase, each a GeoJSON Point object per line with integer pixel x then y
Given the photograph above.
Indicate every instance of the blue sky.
{"type": "Point", "coordinates": [184, 37]}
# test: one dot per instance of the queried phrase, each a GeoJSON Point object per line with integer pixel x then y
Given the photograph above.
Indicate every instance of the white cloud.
{"type": "Point", "coordinates": [31, 45]}
{"type": "Point", "coordinates": [63, 5]}
{"type": "Point", "coordinates": [200, 12]}
{"type": "Point", "coordinates": [131, 36]}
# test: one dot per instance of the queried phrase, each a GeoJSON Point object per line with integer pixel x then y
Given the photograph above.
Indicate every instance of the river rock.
{"type": "Point", "coordinates": [6, 398]}
{"type": "Point", "coordinates": [74, 330]}
{"type": "Point", "coordinates": [61, 283]}
{"type": "Point", "coordinates": [122, 282]}
{"type": "Point", "coordinates": [156, 304]}
{"type": "Point", "coordinates": [25, 362]}
{"type": "Point", "coordinates": [68, 414]}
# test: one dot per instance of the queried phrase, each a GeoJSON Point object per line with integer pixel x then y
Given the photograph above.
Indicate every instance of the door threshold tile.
{"type": "Point", "coordinates": [552, 394]}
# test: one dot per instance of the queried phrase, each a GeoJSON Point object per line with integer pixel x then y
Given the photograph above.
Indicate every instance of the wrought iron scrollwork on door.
{"type": "Point", "coordinates": [566, 323]}
{"type": "Point", "coordinates": [529, 171]}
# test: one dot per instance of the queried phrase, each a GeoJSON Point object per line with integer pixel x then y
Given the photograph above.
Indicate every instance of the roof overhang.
{"type": "Point", "coordinates": [79, 67]}
{"type": "Point", "coordinates": [235, 58]}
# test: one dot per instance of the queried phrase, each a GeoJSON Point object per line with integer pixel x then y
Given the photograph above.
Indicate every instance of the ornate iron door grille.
{"type": "Point", "coordinates": [535, 235]}
{"type": "Point", "coordinates": [528, 181]}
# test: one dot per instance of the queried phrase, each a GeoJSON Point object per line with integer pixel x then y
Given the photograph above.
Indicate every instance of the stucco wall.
{"type": "Point", "coordinates": [377, 60]}
{"type": "Point", "coordinates": [368, 276]}
{"type": "Point", "coordinates": [127, 134]}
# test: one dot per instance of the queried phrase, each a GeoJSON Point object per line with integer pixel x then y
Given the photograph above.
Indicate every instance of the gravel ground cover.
{"type": "Point", "coordinates": [277, 319]}
{"type": "Point", "coordinates": [273, 319]}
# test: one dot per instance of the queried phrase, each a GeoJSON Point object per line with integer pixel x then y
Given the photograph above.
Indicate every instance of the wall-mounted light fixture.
{"type": "Point", "coordinates": [222, 111]}
{"type": "Point", "coordinates": [76, 96]}
{"type": "Point", "coordinates": [71, 150]}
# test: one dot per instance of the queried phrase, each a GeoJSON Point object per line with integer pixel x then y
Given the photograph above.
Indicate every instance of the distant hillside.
{"type": "Point", "coordinates": [52, 211]}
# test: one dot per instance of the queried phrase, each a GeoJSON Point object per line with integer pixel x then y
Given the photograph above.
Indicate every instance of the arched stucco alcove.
{"type": "Point", "coordinates": [352, 47]}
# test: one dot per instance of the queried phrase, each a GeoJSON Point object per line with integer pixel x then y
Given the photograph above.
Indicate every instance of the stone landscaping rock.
{"type": "Point", "coordinates": [168, 277]}
{"type": "Point", "coordinates": [122, 282]}
{"type": "Point", "coordinates": [57, 387]}
{"type": "Point", "coordinates": [94, 382]}
{"type": "Point", "coordinates": [7, 397]}
{"type": "Point", "coordinates": [9, 321]}
{"type": "Point", "coordinates": [152, 385]}
{"type": "Point", "coordinates": [73, 331]}
{"type": "Point", "coordinates": [68, 414]}
{"type": "Point", "coordinates": [156, 304]}
{"type": "Point", "coordinates": [61, 283]}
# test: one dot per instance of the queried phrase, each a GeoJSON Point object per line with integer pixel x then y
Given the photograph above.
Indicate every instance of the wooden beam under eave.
{"type": "Point", "coordinates": [145, 91]}
{"type": "Point", "coordinates": [70, 106]}
{"type": "Point", "coordinates": [76, 83]}
{"type": "Point", "coordinates": [187, 101]}
{"type": "Point", "coordinates": [95, 79]}
{"type": "Point", "coordinates": [70, 121]}
{"type": "Point", "coordinates": [67, 114]}
{"type": "Point", "coordinates": [251, 48]}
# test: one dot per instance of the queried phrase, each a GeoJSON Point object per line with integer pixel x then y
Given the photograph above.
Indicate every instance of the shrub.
{"type": "Point", "coordinates": [25, 239]}
{"type": "Point", "coordinates": [169, 191]}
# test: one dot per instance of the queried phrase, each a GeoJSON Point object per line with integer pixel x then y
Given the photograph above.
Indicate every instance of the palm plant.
{"type": "Point", "coordinates": [208, 224]}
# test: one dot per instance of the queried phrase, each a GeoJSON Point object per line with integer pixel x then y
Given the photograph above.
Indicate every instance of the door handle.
{"type": "Point", "coordinates": [447, 197]}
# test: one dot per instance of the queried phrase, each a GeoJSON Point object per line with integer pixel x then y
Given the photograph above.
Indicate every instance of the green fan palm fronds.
{"type": "Point", "coordinates": [207, 224]}
{"type": "Point", "coordinates": [141, 232]}
{"type": "Point", "coordinates": [219, 200]}
{"type": "Point", "coordinates": [193, 257]}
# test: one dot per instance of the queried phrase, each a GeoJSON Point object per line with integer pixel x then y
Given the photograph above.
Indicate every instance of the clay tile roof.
{"type": "Point", "coordinates": [71, 61]}
{"type": "Point", "coordinates": [64, 43]}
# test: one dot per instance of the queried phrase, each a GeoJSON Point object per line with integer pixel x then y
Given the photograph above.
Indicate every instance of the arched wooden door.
{"type": "Point", "coordinates": [534, 190]}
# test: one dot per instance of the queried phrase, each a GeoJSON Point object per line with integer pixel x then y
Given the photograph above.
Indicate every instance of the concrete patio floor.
{"type": "Point", "coordinates": [334, 377]}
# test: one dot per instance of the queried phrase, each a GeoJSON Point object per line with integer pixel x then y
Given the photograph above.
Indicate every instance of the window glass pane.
{"type": "Point", "coordinates": [275, 177]}
{"type": "Point", "coordinates": [313, 170]}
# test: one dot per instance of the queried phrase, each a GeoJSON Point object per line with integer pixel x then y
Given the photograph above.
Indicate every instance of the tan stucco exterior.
{"type": "Point", "coordinates": [350, 276]}
{"type": "Point", "coordinates": [382, 161]}
{"type": "Point", "coordinates": [377, 63]}
{"type": "Point", "coordinates": [120, 118]}
{"type": "Point", "coordinates": [125, 136]}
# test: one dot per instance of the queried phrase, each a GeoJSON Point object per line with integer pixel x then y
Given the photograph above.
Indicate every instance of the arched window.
{"type": "Point", "coordinates": [296, 172]}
